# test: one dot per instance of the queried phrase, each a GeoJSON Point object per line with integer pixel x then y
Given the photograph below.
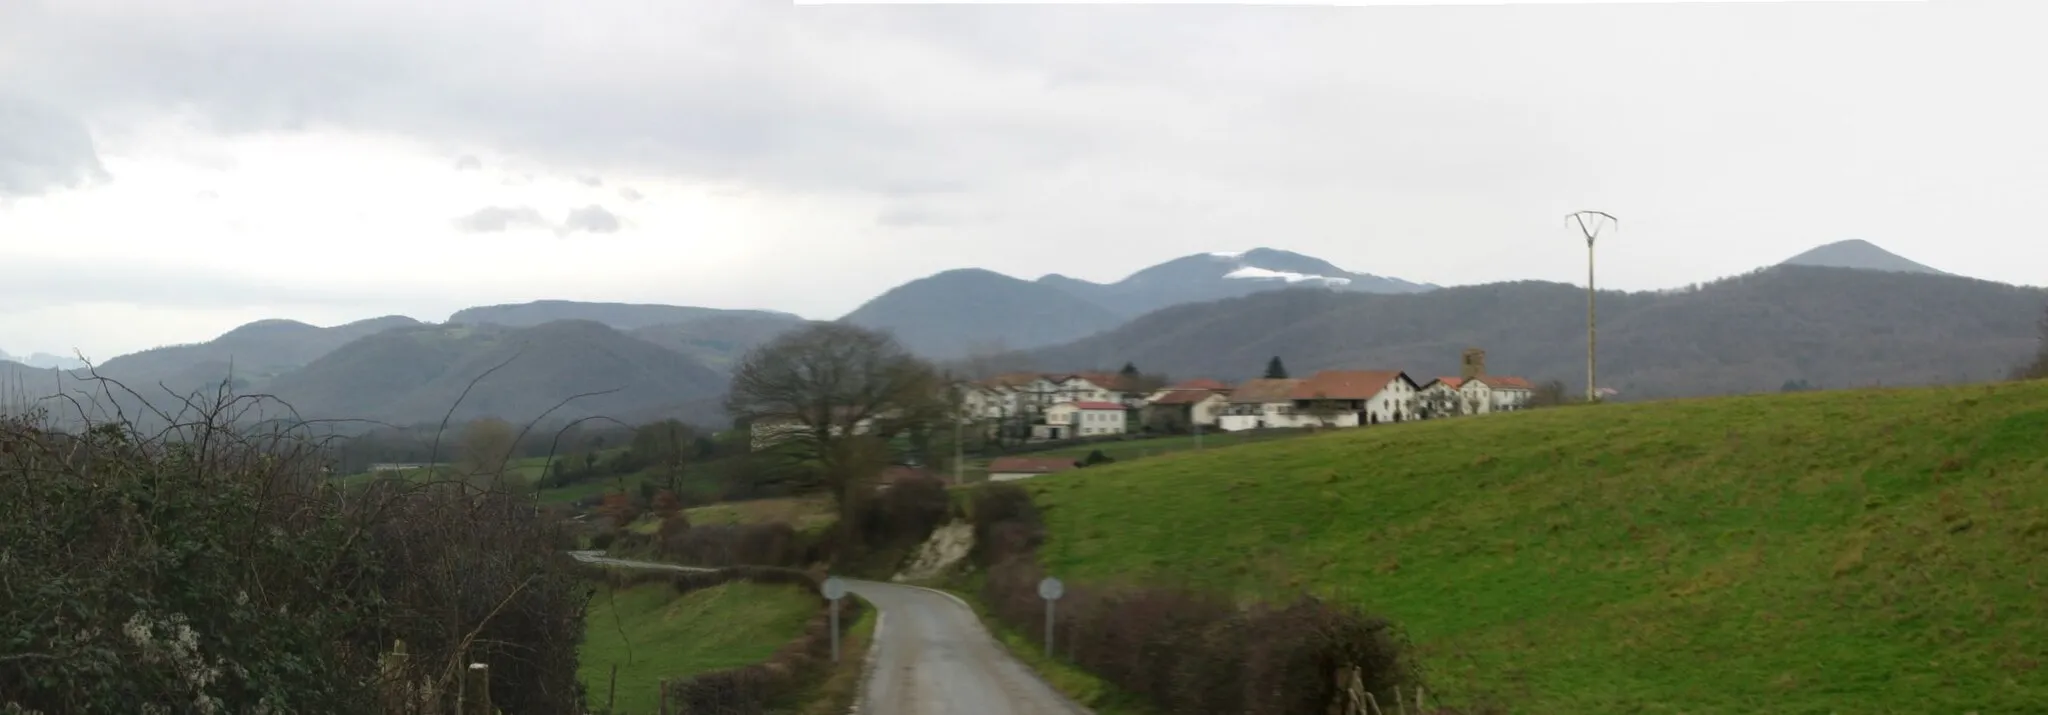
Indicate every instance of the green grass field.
{"type": "Point", "coordinates": [1825, 552]}
{"type": "Point", "coordinates": [651, 635]}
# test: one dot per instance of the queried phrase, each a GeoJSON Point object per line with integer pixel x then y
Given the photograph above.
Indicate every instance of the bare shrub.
{"type": "Point", "coordinates": [1006, 524]}
{"type": "Point", "coordinates": [716, 545]}
{"type": "Point", "coordinates": [210, 568]}
{"type": "Point", "coordinates": [905, 513]}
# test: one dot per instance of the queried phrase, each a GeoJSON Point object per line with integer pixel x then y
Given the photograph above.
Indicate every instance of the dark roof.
{"type": "Point", "coordinates": [1345, 384]}
{"type": "Point", "coordinates": [1030, 464]}
{"type": "Point", "coordinates": [1200, 383]}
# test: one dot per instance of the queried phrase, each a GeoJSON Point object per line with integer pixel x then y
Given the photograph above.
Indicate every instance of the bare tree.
{"type": "Point", "coordinates": [834, 394]}
{"type": "Point", "coordinates": [486, 445]}
{"type": "Point", "coordinates": [1551, 393]}
{"type": "Point", "coordinates": [665, 445]}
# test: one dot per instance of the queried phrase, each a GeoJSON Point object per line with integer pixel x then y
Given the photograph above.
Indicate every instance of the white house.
{"type": "Point", "coordinates": [1440, 398]}
{"type": "Point", "coordinates": [1259, 404]}
{"type": "Point", "coordinates": [1087, 419]}
{"type": "Point", "coordinates": [1174, 409]}
{"type": "Point", "coordinates": [1496, 393]}
{"type": "Point", "coordinates": [1094, 387]}
{"type": "Point", "coordinates": [1027, 392]}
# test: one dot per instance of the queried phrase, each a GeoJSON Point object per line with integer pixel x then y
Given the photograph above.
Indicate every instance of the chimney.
{"type": "Point", "coordinates": [1474, 364]}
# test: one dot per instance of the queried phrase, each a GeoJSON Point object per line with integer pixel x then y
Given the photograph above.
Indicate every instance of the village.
{"type": "Point", "coordinates": [1050, 407]}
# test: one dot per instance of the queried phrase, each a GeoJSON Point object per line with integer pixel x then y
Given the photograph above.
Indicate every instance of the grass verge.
{"type": "Point", "coordinates": [1852, 551]}
{"type": "Point", "coordinates": [651, 635]}
{"type": "Point", "coordinates": [837, 692]}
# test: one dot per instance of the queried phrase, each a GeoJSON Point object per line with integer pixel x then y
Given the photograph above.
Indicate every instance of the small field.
{"type": "Point", "coordinates": [1824, 552]}
{"type": "Point", "coordinates": [650, 634]}
{"type": "Point", "coordinates": [803, 513]}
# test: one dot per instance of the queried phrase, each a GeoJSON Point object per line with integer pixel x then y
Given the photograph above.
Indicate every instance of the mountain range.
{"type": "Point", "coordinates": [973, 311]}
{"type": "Point", "coordinates": [1862, 316]}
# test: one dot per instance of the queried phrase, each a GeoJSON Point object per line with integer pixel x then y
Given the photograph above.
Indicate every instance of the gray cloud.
{"type": "Point", "coordinates": [906, 217]}
{"type": "Point", "coordinates": [629, 193]}
{"type": "Point", "coordinates": [591, 219]}
{"type": "Point", "coordinates": [591, 181]}
{"type": "Point", "coordinates": [498, 219]}
{"type": "Point", "coordinates": [42, 149]}
{"type": "Point", "coordinates": [1353, 134]}
{"type": "Point", "coordinates": [32, 282]}
{"type": "Point", "coordinates": [467, 162]}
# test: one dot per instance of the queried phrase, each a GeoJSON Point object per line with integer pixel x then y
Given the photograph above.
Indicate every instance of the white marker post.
{"type": "Point", "coordinates": [834, 589]}
{"type": "Point", "coordinates": [1050, 589]}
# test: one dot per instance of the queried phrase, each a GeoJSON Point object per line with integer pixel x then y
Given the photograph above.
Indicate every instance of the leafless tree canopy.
{"type": "Point", "coordinates": [833, 387]}
{"type": "Point", "coordinates": [828, 379]}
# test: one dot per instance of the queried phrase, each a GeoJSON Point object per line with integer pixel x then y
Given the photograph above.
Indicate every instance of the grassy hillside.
{"type": "Point", "coordinates": [1864, 551]}
{"type": "Point", "coordinates": [652, 635]}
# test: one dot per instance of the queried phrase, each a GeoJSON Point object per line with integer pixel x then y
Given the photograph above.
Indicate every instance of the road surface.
{"type": "Point", "coordinates": [931, 657]}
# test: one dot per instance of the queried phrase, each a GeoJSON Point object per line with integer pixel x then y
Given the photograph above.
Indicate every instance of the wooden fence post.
{"type": "Point", "coordinates": [662, 689]}
{"type": "Point", "coordinates": [476, 690]}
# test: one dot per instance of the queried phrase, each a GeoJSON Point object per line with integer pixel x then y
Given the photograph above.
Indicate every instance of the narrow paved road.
{"type": "Point", "coordinates": [932, 657]}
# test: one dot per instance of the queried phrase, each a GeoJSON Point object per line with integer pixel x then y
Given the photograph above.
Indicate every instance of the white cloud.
{"type": "Point", "coordinates": [772, 148]}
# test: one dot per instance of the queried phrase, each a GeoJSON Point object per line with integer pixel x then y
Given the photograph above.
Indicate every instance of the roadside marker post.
{"type": "Point", "coordinates": [1051, 590]}
{"type": "Point", "coordinates": [834, 589]}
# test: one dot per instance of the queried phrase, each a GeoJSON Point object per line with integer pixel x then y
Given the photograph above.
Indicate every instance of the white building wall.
{"type": "Point", "coordinates": [1478, 398]}
{"type": "Point", "coordinates": [1396, 397]}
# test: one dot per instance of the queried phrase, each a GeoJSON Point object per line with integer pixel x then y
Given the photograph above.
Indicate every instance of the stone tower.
{"type": "Point", "coordinates": [1474, 364]}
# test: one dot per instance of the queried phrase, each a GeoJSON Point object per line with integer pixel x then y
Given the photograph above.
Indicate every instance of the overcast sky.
{"type": "Point", "coordinates": [169, 170]}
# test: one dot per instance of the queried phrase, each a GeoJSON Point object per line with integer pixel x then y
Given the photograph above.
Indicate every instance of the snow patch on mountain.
{"type": "Point", "coordinates": [1233, 255]}
{"type": "Point", "coordinates": [1256, 273]}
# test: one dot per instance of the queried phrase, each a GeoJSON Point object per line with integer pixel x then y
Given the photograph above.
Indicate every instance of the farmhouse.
{"type": "Point", "coordinates": [1179, 409]}
{"type": "Point", "coordinates": [1496, 393]}
{"type": "Point", "coordinates": [1084, 419]}
{"type": "Point", "coordinates": [1259, 404]}
{"type": "Point", "coordinates": [1440, 398]}
{"type": "Point", "coordinates": [1348, 398]}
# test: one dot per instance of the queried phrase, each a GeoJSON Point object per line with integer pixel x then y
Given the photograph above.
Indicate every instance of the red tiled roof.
{"type": "Point", "coordinates": [1451, 382]}
{"type": "Point", "coordinates": [1184, 397]}
{"type": "Point", "coordinates": [1259, 392]}
{"type": "Point", "coordinates": [1503, 382]}
{"type": "Point", "coordinates": [1029, 464]}
{"type": "Point", "coordinates": [1345, 384]}
{"type": "Point", "coordinates": [1202, 383]}
{"type": "Point", "coordinates": [1097, 406]}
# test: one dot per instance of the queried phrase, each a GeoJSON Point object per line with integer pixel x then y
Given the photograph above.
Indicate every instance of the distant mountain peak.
{"type": "Point", "coordinates": [1858, 254]}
